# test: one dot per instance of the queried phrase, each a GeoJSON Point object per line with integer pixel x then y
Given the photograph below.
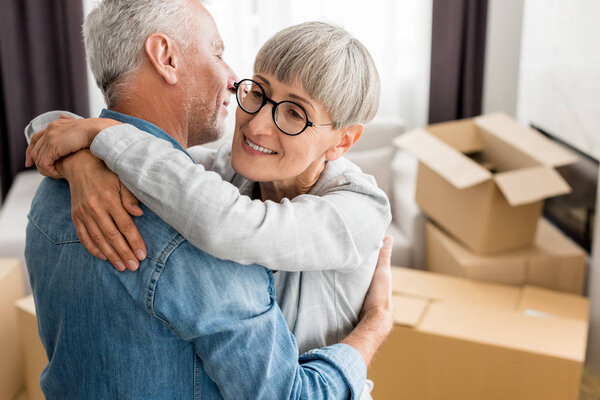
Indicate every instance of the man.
{"type": "Point", "coordinates": [184, 325]}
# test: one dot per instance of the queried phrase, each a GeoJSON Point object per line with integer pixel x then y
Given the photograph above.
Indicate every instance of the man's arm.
{"type": "Point", "coordinates": [230, 315]}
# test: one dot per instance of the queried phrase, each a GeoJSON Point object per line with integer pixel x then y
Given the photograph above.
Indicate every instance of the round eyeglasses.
{"type": "Point", "coordinates": [289, 117]}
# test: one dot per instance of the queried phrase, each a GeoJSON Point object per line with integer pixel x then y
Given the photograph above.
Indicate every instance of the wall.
{"type": "Point", "coordinates": [559, 77]}
{"type": "Point", "coordinates": [94, 94]}
{"type": "Point", "coordinates": [502, 52]}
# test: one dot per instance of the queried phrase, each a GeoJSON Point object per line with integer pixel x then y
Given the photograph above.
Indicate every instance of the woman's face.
{"type": "Point", "coordinates": [283, 157]}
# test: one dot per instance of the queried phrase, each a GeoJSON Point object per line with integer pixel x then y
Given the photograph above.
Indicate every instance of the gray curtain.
{"type": "Point", "coordinates": [457, 59]}
{"type": "Point", "coordinates": [42, 67]}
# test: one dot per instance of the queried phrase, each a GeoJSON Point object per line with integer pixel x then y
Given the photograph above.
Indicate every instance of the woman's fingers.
{"type": "Point", "coordinates": [131, 205]}
{"type": "Point", "coordinates": [29, 161]}
{"type": "Point", "coordinates": [98, 239]}
{"type": "Point", "coordinates": [379, 295]}
{"type": "Point", "coordinates": [130, 202]}
{"type": "Point", "coordinates": [86, 241]}
{"type": "Point", "coordinates": [385, 253]}
{"type": "Point", "coordinates": [60, 138]}
{"type": "Point", "coordinates": [43, 161]}
{"type": "Point", "coordinates": [129, 231]}
{"type": "Point", "coordinates": [97, 209]}
{"type": "Point", "coordinates": [112, 234]}
{"type": "Point", "coordinates": [33, 148]}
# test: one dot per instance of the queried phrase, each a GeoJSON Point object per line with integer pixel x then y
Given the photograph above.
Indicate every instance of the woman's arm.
{"type": "Point", "coordinates": [337, 230]}
{"type": "Point", "coordinates": [59, 137]}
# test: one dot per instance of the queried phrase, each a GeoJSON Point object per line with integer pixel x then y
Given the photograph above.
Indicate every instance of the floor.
{"type": "Point", "coordinates": [590, 387]}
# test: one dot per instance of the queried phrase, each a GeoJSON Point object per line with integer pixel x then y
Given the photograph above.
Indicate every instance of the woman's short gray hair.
{"type": "Point", "coordinates": [115, 31]}
{"type": "Point", "coordinates": [333, 67]}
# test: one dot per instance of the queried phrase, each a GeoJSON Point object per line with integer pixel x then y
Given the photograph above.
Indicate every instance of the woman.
{"type": "Point", "coordinates": [315, 217]}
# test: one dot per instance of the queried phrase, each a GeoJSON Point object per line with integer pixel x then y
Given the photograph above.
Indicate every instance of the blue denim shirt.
{"type": "Point", "coordinates": [184, 326]}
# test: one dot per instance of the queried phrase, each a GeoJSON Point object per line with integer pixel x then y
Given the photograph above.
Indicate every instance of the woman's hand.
{"type": "Point", "coordinates": [100, 207]}
{"type": "Point", "coordinates": [376, 318]}
{"type": "Point", "coordinates": [378, 299]}
{"type": "Point", "coordinates": [61, 138]}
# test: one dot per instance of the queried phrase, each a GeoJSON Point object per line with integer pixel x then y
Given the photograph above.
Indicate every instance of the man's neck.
{"type": "Point", "coordinates": [170, 122]}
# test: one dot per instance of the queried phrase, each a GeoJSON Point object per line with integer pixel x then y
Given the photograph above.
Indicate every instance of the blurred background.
{"type": "Point", "coordinates": [439, 60]}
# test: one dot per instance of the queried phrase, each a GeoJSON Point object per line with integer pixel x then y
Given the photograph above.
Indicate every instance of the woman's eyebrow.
{"type": "Point", "coordinates": [302, 99]}
{"type": "Point", "coordinates": [263, 79]}
{"type": "Point", "coordinates": [292, 95]}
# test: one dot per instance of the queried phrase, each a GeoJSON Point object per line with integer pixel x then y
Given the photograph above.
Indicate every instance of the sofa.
{"type": "Point", "coordinates": [13, 218]}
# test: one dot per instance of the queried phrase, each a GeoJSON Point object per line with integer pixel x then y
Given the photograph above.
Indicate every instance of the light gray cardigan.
{"type": "Point", "coordinates": [324, 244]}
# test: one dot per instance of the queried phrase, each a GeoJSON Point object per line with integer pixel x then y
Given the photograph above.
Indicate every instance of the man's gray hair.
{"type": "Point", "coordinates": [333, 67]}
{"type": "Point", "coordinates": [115, 31]}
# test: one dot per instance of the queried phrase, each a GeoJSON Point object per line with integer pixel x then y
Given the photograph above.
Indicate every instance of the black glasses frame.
{"type": "Point", "coordinates": [275, 104]}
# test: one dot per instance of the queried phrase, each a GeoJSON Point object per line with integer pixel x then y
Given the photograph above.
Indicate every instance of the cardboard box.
{"type": "Point", "coordinates": [11, 360]}
{"type": "Point", "coordinates": [31, 347]}
{"type": "Point", "coordinates": [484, 179]}
{"type": "Point", "coordinates": [459, 339]}
{"type": "Point", "coordinates": [554, 262]}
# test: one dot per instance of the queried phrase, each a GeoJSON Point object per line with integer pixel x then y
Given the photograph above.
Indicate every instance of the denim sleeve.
{"type": "Point", "coordinates": [229, 314]}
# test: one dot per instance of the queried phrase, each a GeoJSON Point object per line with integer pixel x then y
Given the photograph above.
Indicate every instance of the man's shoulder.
{"type": "Point", "coordinates": [51, 211]}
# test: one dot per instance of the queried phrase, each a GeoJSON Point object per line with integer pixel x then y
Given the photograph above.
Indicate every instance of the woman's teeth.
{"type": "Point", "coordinates": [258, 148]}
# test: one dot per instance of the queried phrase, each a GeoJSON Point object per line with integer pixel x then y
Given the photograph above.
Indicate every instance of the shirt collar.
{"type": "Point", "coordinates": [142, 125]}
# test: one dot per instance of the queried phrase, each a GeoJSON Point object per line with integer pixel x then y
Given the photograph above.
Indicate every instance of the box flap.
{"type": "Point", "coordinates": [558, 304]}
{"type": "Point", "coordinates": [563, 338]}
{"type": "Point", "coordinates": [526, 139]}
{"type": "Point", "coordinates": [454, 290]}
{"type": "Point", "coordinates": [527, 185]}
{"type": "Point", "coordinates": [408, 311]}
{"type": "Point", "coordinates": [26, 304]}
{"type": "Point", "coordinates": [461, 135]}
{"type": "Point", "coordinates": [452, 165]}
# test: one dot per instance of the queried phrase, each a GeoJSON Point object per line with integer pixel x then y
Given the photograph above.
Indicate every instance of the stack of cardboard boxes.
{"type": "Point", "coordinates": [488, 321]}
{"type": "Point", "coordinates": [11, 364]}
{"type": "Point", "coordinates": [21, 351]}
{"type": "Point", "coordinates": [482, 182]}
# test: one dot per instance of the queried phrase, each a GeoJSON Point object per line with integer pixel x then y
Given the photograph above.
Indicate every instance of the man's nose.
{"type": "Point", "coordinates": [231, 79]}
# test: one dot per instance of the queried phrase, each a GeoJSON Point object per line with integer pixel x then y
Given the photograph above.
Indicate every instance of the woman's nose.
{"type": "Point", "coordinates": [262, 122]}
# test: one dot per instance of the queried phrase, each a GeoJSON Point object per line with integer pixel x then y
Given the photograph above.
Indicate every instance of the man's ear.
{"type": "Point", "coordinates": [349, 136]}
{"type": "Point", "coordinates": [160, 50]}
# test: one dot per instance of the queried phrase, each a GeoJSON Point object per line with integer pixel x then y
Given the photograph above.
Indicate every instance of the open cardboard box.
{"type": "Point", "coordinates": [554, 262]}
{"type": "Point", "coordinates": [484, 179]}
{"type": "Point", "coordinates": [459, 339]}
{"type": "Point", "coordinates": [11, 360]}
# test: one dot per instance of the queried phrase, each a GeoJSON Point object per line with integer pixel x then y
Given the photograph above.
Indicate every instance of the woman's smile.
{"type": "Point", "coordinates": [256, 149]}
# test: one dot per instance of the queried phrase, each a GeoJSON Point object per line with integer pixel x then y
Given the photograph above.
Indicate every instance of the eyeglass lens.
{"type": "Point", "coordinates": [289, 116]}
